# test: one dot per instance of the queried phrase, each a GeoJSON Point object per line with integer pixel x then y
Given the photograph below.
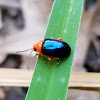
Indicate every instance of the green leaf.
{"type": "Point", "coordinates": [50, 81]}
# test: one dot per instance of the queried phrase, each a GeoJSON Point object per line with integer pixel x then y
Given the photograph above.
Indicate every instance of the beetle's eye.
{"type": "Point", "coordinates": [34, 49]}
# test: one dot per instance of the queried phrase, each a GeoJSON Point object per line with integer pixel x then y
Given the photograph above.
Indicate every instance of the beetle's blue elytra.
{"type": "Point", "coordinates": [55, 48]}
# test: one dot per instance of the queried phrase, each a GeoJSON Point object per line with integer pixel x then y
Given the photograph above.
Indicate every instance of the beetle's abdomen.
{"type": "Point", "coordinates": [55, 48]}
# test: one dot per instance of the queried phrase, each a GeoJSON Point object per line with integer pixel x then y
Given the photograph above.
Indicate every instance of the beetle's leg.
{"type": "Point", "coordinates": [51, 37]}
{"type": "Point", "coordinates": [36, 54]}
{"type": "Point", "coordinates": [58, 61]}
{"type": "Point", "coordinates": [45, 60]}
{"type": "Point", "coordinates": [42, 54]}
{"type": "Point", "coordinates": [50, 58]}
{"type": "Point", "coordinates": [60, 39]}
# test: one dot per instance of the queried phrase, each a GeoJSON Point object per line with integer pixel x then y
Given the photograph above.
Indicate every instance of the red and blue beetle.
{"type": "Point", "coordinates": [52, 48]}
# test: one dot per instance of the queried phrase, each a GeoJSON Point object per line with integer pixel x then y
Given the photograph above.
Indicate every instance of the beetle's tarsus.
{"type": "Point", "coordinates": [45, 60]}
{"type": "Point", "coordinates": [52, 37]}
{"type": "Point", "coordinates": [58, 61]}
{"type": "Point", "coordinates": [36, 54]}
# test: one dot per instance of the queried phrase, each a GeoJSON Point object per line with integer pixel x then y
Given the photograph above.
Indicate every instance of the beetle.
{"type": "Point", "coordinates": [52, 48]}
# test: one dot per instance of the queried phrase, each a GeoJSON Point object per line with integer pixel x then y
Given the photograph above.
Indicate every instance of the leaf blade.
{"type": "Point", "coordinates": [50, 82]}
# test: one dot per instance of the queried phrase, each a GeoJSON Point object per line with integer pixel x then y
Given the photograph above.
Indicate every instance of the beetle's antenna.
{"type": "Point", "coordinates": [29, 59]}
{"type": "Point", "coordinates": [24, 50]}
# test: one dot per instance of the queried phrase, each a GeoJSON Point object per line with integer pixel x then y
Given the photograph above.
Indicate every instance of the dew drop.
{"type": "Point", "coordinates": [62, 80]}
{"type": "Point", "coordinates": [74, 13]}
{"type": "Point", "coordinates": [70, 9]}
{"type": "Point", "coordinates": [71, 1]}
{"type": "Point", "coordinates": [65, 31]}
{"type": "Point", "coordinates": [39, 79]}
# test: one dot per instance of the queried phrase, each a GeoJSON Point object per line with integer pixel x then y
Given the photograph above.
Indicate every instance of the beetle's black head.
{"type": "Point", "coordinates": [34, 49]}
